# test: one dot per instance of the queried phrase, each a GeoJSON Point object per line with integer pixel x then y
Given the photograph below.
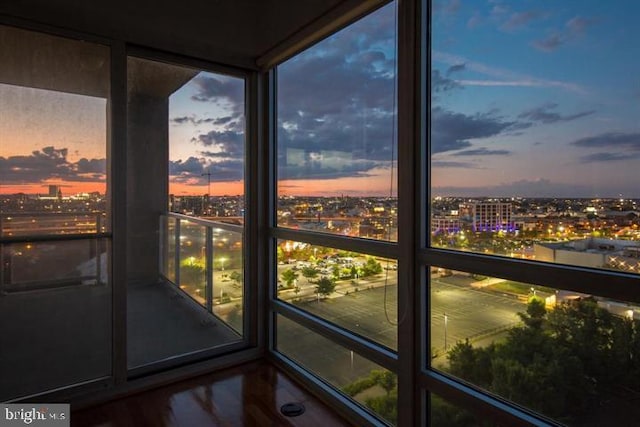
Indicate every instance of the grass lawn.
{"type": "Point", "coordinates": [518, 288]}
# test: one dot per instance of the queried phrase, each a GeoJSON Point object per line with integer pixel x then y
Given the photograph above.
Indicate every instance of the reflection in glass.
{"type": "Point", "coordinates": [568, 356]}
{"type": "Point", "coordinates": [353, 290]}
{"type": "Point", "coordinates": [336, 134]}
{"type": "Point", "coordinates": [357, 377]}
{"type": "Point", "coordinates": [38, 265]}
{"type": "Point", "coordinates": [53, 135]}
{"type": "Point", "coordinates": [55, 295]}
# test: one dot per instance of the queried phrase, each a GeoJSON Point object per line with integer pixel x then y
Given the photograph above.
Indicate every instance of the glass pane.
{"type": "Point", "coordinates": [195, 120]}
{"type": "Point", "coordinates": [357, 377]}
{"type": "Point", "coordinates": [568, 356]}
{"type": "Point", "coordinates": [28, 266]}
{"type": "Point", "coordinates": [353, 290]}
{"type": "Point", "coordinates": [534, 145]}
{"type": "Point", "coordinates": [53, 134]}
{"type": "Point", "coordinates": [443, 413]}
{"type": "Point", "coordinates": [206, 146]}
{"type": "Point", "coordinates": [168, 247]}
{"type": "Point", "coordinates": [336, 133]}
{"type": "Point", "coordinates": [228, 277]}
{"type": "Point", "coordinates": [55, 296]}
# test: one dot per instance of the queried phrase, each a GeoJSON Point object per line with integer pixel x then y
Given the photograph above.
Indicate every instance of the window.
{"type": "Point", "coordinates": [55, 255]}
{"type": "Point", "coordinates": [336, 212]}
{"type": "Point", "coordinates": [531, 263]}
{"type": "Point", "coordinates": [336, 139]}
{"type": "Point", "coordinates": [186, 129]}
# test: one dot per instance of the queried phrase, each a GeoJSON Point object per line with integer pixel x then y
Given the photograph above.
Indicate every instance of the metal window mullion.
{"type": "Point", "coordinates": [209, 269]}
{"type": "Point", "coordinates": [482, 404]}
{"type": "Point", "coordinates": [602, 283]}
{"type": "Point", "coordinates": [384, 357]}
{"type": "Point", "coordinates": [117, 156]}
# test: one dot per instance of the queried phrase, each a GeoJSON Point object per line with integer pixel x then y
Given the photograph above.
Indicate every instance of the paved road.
{"type": "Point", "coordinates": [470, 313]}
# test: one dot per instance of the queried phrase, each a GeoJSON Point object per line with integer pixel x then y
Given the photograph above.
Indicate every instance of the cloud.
{"type": "Point", "coordinates": [474, 22]}
{"type": "Point", "coordinates": [216, 88]}
{"type": "Point", "coordinates": [191, 171]}
{"type": "Point", "coordinates": [336, 103]}
{"type": "Point", "coordinates": [500, 76]}
{"type": "Point", "coordinates": [630, 141]}
{"type": "Point", "coordinates": [441, 84]}
{"type": "Point", "coordinates": [228, 142]}
{"type": "Point", "coordinates": [574, 28]}
{"type": "Point", "coordinates": [519, 20]}
{"type": "Point", "coordinates": [453, 131]}
{"type": "Point", "coordinates": [606, 157]}
{"type": "Point", "coordinates": [578, 25]}
{"type": "Point", "coordinates": [482, 152]}
{"type": "Point", "coordinates": [447, 7]}
{"type": "Point", "coordinates": [543, 114]}
{"type": "Point", "coordinates": [448, 164]}
{"type": "Point", "coordinates": [541, 187]}
{"type": "Point", "coordinates": [549, 44]}
{"type": "Point", "coordinates": [455, 68]}
{"type": "Point", "coordinates": [50, 163]}
{"type": "Point", "coordinates": [195, 121]}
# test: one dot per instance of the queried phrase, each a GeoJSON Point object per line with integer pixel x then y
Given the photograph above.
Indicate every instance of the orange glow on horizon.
{"type": "Point", "coordinates": [67, 188]}
{"type": "Point", "coordinates": [232, 188]}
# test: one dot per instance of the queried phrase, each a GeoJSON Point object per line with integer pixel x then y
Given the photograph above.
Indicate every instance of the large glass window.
{"type": "Point", "coordinates": [55, 293]}
{"type": "Point", "coordinates": [336, 210]}
{"type": "Point", "coordinates": [355, 376]}
{"type": "Point", "coordinates": [186, 157]}
{"type": "Point", "coordinates": [353, 290]}
{"type": "Point", "coordinates": [534, 131]}
{"type": "Point", "coordinates": [565, 354]}
{"type": "Point", "coordinates": [337, 133]}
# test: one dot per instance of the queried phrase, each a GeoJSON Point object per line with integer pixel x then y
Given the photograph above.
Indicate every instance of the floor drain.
{"type": "Point", "coordinates": [292, 409]}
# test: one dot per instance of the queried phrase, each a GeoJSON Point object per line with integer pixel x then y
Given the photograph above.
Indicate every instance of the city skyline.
{"type": "Point", "coordinates": [522, 105]}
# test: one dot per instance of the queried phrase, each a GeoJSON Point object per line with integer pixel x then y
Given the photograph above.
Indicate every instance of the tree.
{"type": "Point", "coordinates": [191, 275]}
{"type": "Point", "coordinates": [371, 267]}
{"type": "Point", "coordinates": [310, 272]}
{"type": "Point", "coordinates": [385, 379]}
{"type": "Point", "coordinates": [535, 314]}
{"type": "Point", "coordinates": [236, 277]}
{"type": "Point", "coordinates": [289, 276]}
{"type": "Point", "coordinates": [325, 286]}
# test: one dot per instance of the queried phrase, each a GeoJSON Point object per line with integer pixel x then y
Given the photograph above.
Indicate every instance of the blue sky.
{"type": "Point", "coordinates": [535, 98]}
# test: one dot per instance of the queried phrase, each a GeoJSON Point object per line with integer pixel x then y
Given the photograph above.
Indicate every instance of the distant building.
{"type": "Point", "coordinates": [592, 252]}
{"type": "Point", "coordinates": [55, 191]}
{"type": "Point", "coordinates": [189, 205]}
{"type": "Point", "coordinates": [445, 224]}
{"type": "Point", "coordinates": [488, 216]}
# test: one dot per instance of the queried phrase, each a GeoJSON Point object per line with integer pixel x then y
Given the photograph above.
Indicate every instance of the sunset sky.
{"type": "Point", "coordinates": [533, 98]}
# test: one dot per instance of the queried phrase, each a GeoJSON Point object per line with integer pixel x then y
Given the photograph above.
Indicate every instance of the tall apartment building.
{"type": "Point", "coordinates": [488, 216]}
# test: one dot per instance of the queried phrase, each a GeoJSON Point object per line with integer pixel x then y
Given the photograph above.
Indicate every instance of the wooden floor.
{"type": "Point", "coordinates": [247, 395]}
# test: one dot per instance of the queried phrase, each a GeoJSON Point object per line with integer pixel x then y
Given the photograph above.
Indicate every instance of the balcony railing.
{"type": "Point", "coordinates": [204, 259]}
{"type": "Point", "coordinates": [44, 250]}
